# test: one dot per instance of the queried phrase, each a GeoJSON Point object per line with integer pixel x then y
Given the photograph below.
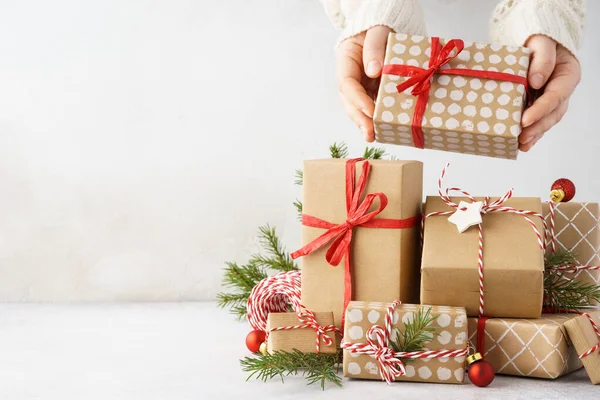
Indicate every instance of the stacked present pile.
{"type": "Point", "coordinates": [408, 291]}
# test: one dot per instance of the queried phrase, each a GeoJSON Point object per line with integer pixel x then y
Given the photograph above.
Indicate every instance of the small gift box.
{"type": "Point", "coordinates": [308, 332]}
{"type": "Point", "coordinates": [576, 227]}
{"type": "Point", "coordinates": [364, 215]}
{"type": "Point", "coordinates": [452, 95]}
{"type": "Point", "coordinates": [371, 328]}
{"type": "Point", "coordinates": [493, 268]}
{"type": "Point", "coordinates": [585, 335]}
{"type": "Point", "coordinates": [537, 348]}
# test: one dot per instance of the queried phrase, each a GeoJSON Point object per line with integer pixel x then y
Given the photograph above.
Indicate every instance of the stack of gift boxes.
{"type": "Point", "coordinates": [373, 254]}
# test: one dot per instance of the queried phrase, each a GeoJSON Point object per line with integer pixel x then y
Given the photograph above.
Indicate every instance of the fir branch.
{"type": "Point", "coordinates": [374, 153]}
{"type": "Point", "coordinates": [416, 332]}
{"type": "Point", "coordinates": [563, 293]}
{"type": "Point", "coordinates": [338, 150]}
{"type": "Point", "coordinates": [315, 368]}
{"type": "Point", "coordinates": [298, 177]}
{"type": "Point", "coordinates": [298, 205]}
{"type": "Point", "coordinates": [277, 259]}
{"type": "Point", "coordinates": [241, 279]}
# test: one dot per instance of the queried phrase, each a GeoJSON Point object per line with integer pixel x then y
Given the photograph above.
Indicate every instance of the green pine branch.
{"type": "Point", "coordinates": [298, 177]}
{"type": "Point", "coordinates": [416, 332]}
{"type": "Point", "coordinates": [562, 293]}
{"type": "Point", "coordinates": [338, 150]}
{"type": "Point", "coordinates": [298, 205]}
{"type": "Point", "coordinates": [315, 368]}
{"type": "Point", "coordinates": [240, 279]}
{"type": "Point", "coordinates": [374, 153]}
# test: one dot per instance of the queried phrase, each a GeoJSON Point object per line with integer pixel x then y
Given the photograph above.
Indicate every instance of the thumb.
{"type": "Point", "coordinates": [374, 50]}
{"type": "Point", "coordinates": [543, 61]}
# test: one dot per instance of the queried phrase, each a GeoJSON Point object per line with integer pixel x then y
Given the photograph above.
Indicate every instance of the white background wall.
{"type": "Point", "coordinates": [143, 142]}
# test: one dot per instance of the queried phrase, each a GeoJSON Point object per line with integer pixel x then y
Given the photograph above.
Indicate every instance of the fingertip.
{"type": "Point", "coordinates": [373, 69]}
{"type": "Point", "coordinates": [537, 80]}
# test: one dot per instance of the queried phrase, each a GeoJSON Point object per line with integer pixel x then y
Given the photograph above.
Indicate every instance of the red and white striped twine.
{"type": "Point", "coordinates": [494, 206]}
{"type": "Point", "coordinates": [308, 320]}
{"type": "Point", "coordinates": [390, 362]}
{"type": "Point", "coordinates": [273, 294]}
{"type": "Point", "coordinates": [597, 346]}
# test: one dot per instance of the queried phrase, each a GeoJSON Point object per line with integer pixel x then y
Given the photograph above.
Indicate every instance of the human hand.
{"type": "Point", "coordinates": [359, 62]}
{"type": "Point", "coordinates": [556, 68]}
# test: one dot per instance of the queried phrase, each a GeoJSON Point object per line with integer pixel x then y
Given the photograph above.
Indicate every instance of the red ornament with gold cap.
{"type": "Point", "coordinates": [562, 190]}
{"type": "Point", "coordinates": [481, 372]}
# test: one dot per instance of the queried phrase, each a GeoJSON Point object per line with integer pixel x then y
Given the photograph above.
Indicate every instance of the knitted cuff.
{"type": "Point", "coordinates": [562, 20]}
{"type": "Point", "coordinates": [404, 16]}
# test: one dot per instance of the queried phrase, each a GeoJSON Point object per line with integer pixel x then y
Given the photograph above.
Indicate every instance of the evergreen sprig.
{"type": "Point", "coordinates": [242, 278]}
{"type": "Point", "coordinates": [563, 293]}
{"type": "Point", "coordinates": [315, 368]}
{"type": "Point", "coordinates": [338, 150]}
{"type": "Point", "coordinates": [374, 153]}
{"type": "Point", "coordinates": [416, 332]}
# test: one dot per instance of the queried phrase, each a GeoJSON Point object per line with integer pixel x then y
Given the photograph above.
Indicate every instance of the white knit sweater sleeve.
{"type": "Point", "coordinates": [514, 21]}
{"type": "Point", "coordinates": [356, 16]}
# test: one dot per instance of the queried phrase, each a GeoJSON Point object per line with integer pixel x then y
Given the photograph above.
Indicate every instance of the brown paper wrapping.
{"type": "Point", "coordinates": [513, 262]}
{"type": "Point", "coordinates": [303, 339]}
{"type": "Point", "coordinates": [464, 114]}
{"type": "Point", "coordinates": [537, 348]}
{"type": "Point", "coordinates": [584, 338]}
{"type": "Point", "coordinates": [451, 334]}
{"type": "Point", "coordinates": [577, 228]}
{"type": "Point", "coordinates": [385, 262]}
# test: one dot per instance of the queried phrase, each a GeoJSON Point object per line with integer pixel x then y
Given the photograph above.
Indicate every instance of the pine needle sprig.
{"type": "Point", "coordinates": [315, 368]}
{"type": "Point", "coordinates": [338, 150]}
{"type": "Point", "coordinates": [298, 206]}
{"type": "Point", "coordinates": [374, 153]}
{"type": "Point", "coordinates": [563, 293]}
{"type": "Point", "coordinates": [298, 177]}
{"type": "Point", "coordinates": [416, 332]}
{"type": "Point", "coordinates": [241, 278]}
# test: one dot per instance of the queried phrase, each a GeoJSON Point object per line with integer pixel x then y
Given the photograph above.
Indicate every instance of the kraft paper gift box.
{"type": "Point", "coordinates": [586, 342]}
{"type": "Point", "coordinates": [384, 264]}
{"type": "Point", "coordinates": [302, 339]}
{"type": "Point", "coordinates": [513, 263]}
{"type": "Point", "coordinates": [537, 348]}
{"type": "Point", "coordinates": [463, 114]}
{"type": "Point", "coordinates": [450, 333]}
{"type": "Point", "coordinates": [577, 228]}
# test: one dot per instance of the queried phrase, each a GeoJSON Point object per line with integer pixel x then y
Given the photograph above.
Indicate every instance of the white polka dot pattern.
{"type": "Point", "coordinates": [492, 108]}
{"type": "Point", "coordinates": [449, 326]}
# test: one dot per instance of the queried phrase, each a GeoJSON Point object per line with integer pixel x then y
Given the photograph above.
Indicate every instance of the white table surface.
{"type": "Point", "coordinates": [183, 351]}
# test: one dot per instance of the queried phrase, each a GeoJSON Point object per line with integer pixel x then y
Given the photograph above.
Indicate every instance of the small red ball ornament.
{"type": "Point", "coordinates": [481, 373]}
{"type": "Point", "coordinates": [254, 340]}
{"type": "Point", "coordinates": [562, 190]}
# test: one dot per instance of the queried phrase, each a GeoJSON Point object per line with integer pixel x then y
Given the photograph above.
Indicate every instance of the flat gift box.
{"type": "Point", "coordinates": [302, 339]}
{"type": "Point", "coordinates": [450, 334]}
{"type": "Point", "coordinates": [385, 262]}
{"type": "Point", "coordinates": [536, 348]}
{"type": "Point", "coordinates": [584, 338]}
{"type": "Point", "coordinates": [513, 262]}
{"type": "Point", "coordinates": [471, 115]}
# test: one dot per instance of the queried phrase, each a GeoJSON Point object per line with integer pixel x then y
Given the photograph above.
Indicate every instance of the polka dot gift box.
{"type": "Point", "coordinates": [449, 333]}
{"type": "Point", "coordinates": [452, 95]}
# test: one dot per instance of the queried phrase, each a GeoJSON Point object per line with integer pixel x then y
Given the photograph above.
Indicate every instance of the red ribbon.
{"type": "Point", "coordinates": [420, 78]}
{"type": "Point", "coordinates": [340, 235]}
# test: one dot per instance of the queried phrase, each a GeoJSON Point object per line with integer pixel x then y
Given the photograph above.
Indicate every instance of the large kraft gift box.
{"type": "Point", "coordinates": [513, 263]}
{"type": "Point", "coordinates": [450, 333]}
{"type": "Point", "coordinates": [537, 348]}
{"type": "Point", "coordinates": [577, 228]}
{"type": "Point", "coordinates": [385, 262]}
{"type": "Point", "coordinates": [303, 339]}
{"type": "Point", "coordinates": [585, 340]}
{"type": "Point", "coordinates": [464, 114]}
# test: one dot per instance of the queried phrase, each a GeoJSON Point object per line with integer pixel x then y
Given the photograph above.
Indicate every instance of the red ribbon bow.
{"type": "Point", "coordinates": [340, 235]}
{"type": "Point", "coordinates": [420, 78]}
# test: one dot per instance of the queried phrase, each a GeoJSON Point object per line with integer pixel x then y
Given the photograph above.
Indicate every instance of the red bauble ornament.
{"type": "Point", "coordinates": [481, 373]}
{"type": "Point", "coordinates": [562, 190]}
{"type": "Point", "coordinates": [254, 340]}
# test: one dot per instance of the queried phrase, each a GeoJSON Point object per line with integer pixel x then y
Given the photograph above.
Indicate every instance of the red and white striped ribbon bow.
{"type": "Point", "coordinates": [597, 346]}
{"type": "Point", "coordinates": [488, 207]}
{"type": "Point", "coordinates": [308, 320]}
{"type": "Point", "coordinates": [390, 361]}
{"type": "Point", "coordinates": [551, 241]}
